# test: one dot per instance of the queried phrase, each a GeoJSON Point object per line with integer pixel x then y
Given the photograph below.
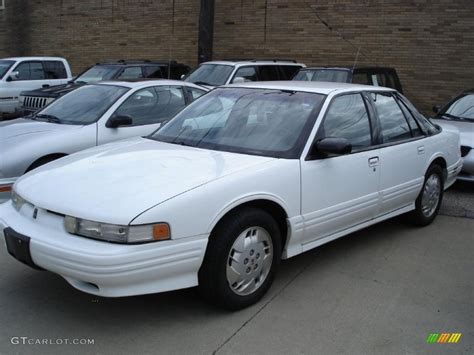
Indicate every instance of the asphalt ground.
{"type": "Point", "coordinates": [381, 290]}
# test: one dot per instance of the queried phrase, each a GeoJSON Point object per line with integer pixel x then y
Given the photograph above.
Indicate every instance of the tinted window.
{"type": "Point", "coordinates": [268, 72]}
{"type": "Point", "coordinates": [361, 78]}
{"type": "Point", "coordinates": [248, 73]}
{"type": "Point", "coordinates": [30, 71]}
{"type": "Point", "coordinates": [210, 74]}
{"type": "Point", "coordinates": [152, 105]}
{"type": "Point", "coordinates": [154, 72]}
{"type": "Point", "coordinates": [4, 66]}
{"type": "Point", "coordinates": [415, 128]}
{"type": "Point", "coordinates": [54, 69]}
{"type": "Point", "coordinates": [347, 118]}
{"type": "Point", "coordinates": [392, 121]}
{"type": "Point", "coordinates": [98, 73]}
{"type": "Point", "coordinates": [464, 107]}
{"type": "Point", "coordinates": [288, 71]}
{"type": "Point", "coordinates": [84, 105]}
{"type": "Point", "coordinates": [195, 93]}
{"type": "Point", "coordinates": [178, 70]}
{"type": "Point", "coordinates": [131, 73]}
{"type": "Point", "coordinates": [249, 121]}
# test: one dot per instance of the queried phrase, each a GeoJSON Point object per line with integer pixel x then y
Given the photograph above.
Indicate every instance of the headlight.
{"type": "Point", "coordinates": [17, 200]}
{"type": "Point", "coordinates": [117, 233]}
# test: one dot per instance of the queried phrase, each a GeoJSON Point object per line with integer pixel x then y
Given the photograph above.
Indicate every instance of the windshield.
{"type": "Point", "coordinates": [462, 109]}
{"type": "Point", "coordinates": [331, 75]}
{"type": "Point", "coordinates": [82, 106]}
{"type": "Point", "coordinates": [210, 74]}
{"type": "Point", "coordinates": [251, 121]}
{"type": "Point", "coordinates": [4, 66]}
{"type": "Point", "coordinates": [97, 73]}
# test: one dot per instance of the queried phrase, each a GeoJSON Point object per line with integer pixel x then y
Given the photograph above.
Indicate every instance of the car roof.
{"type": "Point", "coordinates": [256, 61]}
{"type": "Point", "coordinates": [142, 62]}
{"type": "Point", "coordinates": [317, 87]}
{"type": "Point", "coordinates": [33, 58]}
{"type": "Point", "coordinates": [142, 83]}
{"type": "Point", "coordinates": [342, 67]}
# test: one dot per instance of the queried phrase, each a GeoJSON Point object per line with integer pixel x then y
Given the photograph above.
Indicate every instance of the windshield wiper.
{"type": "Point", "coordinates": [49, 118]}
{"type": "Point", "coordinates": [79, 82]}
{"type": "Point", "coordinates": [202, 83]}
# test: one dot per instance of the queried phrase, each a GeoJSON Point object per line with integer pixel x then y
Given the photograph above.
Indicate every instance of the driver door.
{"type": "Point", "coordinates": [339, 192]}
{"type": "Point", "coordinates": [148, 108]}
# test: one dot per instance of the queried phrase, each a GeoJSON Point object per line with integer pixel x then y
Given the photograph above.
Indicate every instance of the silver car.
{"type": "Point", "coordinates": [460, 113]}
{"type": "Point", "coordinates": [89, 116]}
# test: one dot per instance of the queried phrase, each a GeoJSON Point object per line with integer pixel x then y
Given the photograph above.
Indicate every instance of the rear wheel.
{"type": "Point", "coordinates": [241, 259]}
{"type": "Point", "coordinates": [428, 203]}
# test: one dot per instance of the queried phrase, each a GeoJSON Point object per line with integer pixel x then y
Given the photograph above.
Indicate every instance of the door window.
{"type": "Point", "coordinates": [415, 128]}
{"type": "Point", "coordinates": [268, 72]}
{"type": "Point", "coordinates": [288, 71]}
{"type": "Point", "coordinates": [131, 73]}
{"type": "Point", "coordinates": [54, 69]}
{"type": "Point", "coordinates": [347, 118]}
{"type": "Point", "coordinates": [195, 93]}
{"type": "Point", "coordinates": [154, 72]}
{"type": "Point", "coordinates": [248, 73]}
{"type": "Point", "coordinates": [30, 71]}
{"type": "Point", "coordinates": [393, 124]}
{"type": "Point", "coordinates": [152, 105]}
{"type": "Point", "coordinates": [361, 78]}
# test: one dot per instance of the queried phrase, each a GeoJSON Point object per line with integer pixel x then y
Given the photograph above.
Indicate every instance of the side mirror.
{"type": "Point", "coordinates": [182, 76]}
{"type": "Point", "coordinates": [14, 75]}
{"type": "Point", "coordinates": [238, 80]}
{"type": "Point", "coordinates": [332, 146]}
{"type": "Point", "coordinates": [436, 108]}
{"type": "Point", "coordinates": [119, 121]}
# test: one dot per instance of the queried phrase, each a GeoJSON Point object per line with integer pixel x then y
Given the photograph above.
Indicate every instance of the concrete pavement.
{"type": "Point", "coordinates": [379, 291]}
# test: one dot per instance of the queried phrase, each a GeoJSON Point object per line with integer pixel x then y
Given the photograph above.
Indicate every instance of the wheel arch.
{"type": "Point", "coordinates": [45, 158]}
{"type": "Point", "coordinates": [441, 162]}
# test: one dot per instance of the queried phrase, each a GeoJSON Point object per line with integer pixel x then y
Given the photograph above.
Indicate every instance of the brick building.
{"type": "Point", "coordinates": [429, 42]}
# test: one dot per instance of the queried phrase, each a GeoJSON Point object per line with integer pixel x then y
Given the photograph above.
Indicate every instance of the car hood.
{"type": "Point", "coordinates": [23, 127]}
{"type": "Point", "coordinates": [52, 91]}
{"type": "Point", "coordinates": [466, 130]}
{"type": "Point", "coordinates": [116, 182]}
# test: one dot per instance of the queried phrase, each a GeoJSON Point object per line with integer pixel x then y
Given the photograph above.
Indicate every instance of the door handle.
{"type": "Point", "coordinates": [374, 161]}
{"type": "Point", "coordinates": [421, 149]}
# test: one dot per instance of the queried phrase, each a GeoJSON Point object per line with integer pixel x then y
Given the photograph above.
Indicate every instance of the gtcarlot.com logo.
{"type": "Point", "coordinates": [51, 341]}
{"type": "Point", "coordinates": [443, 338]}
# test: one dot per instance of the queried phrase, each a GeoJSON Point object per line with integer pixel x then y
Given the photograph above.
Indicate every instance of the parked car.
{"type": "Point", "coordinates": [91, 115]}
{"type": "Point", "coordinates": [460, 113]}
{"type": "Point", "coordinates": [27, 73]}
{"type": "Point", "coordinates": [218, 73]}
{"type": "Point", "coordinates": [32, 101]}
{"type": "Point", "coordinates": [242, 177]}
{"type": "Point", "coordinates": [376, 76]}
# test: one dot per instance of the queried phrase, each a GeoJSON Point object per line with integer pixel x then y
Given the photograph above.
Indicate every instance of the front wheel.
{"type": "Point", "coordinates": [428, 203]}
{"type": "Point", "coordinates": [241, 259]}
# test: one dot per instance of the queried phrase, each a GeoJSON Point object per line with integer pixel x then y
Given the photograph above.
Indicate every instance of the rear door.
{"type": "Point", "coordinates": [402, 152]}
{"type": "Point", "coordinates": [339, 192]}
{"type": "Point", "coordinates": [148, 108]}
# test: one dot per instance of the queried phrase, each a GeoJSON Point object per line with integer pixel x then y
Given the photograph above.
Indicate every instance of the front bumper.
{"type": "Point", "coordinates": [101, 268]}
{"type": "Point", "coordinates": [5, 188]}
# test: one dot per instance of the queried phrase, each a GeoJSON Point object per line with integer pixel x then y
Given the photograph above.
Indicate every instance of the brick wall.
{"type": "Point", "coordinates": [430, 43]}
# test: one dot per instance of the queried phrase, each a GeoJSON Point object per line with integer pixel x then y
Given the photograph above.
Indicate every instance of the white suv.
{"type": "Point", "coordinates": [28, 73]}
{"type": "Point", "coordinates": [217, 73]}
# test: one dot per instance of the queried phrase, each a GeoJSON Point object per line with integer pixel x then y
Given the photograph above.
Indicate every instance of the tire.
{"type": "Point", "coordinates": [231, 276]}
{"type": "Point", "coordinates": [426, 208]}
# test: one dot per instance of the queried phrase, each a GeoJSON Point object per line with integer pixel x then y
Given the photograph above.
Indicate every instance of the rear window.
{"type": "Point", "coordinates": [54, 69]}
{"type": "Point", "coordinates": [289, 71]}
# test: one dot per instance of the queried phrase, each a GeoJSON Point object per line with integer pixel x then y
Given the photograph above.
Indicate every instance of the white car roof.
{"type": "Point", "coordinates": [317, 87]}
{"type": "Point", "coordinates": [132, 84]}
{"type": "Point", "coordinates": [33, 58]}
{"type": "Point", "coordinates": [256, 62]}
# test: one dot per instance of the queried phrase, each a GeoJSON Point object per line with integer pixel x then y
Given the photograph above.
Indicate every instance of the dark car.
{"type": "Point", "coordinates": [32, 101]}
{"type": "Point", "coordinates": [376, 76]}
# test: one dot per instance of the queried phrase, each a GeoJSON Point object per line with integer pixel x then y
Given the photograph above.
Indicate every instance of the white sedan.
{"type": "Point", "coordinates": [244, 176]}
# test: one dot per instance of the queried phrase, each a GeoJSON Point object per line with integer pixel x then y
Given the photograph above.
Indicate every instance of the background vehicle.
{"type": "Point", "coordinates": [242, 177]}
{"type": "Point", "coordinates": [459, 112]}
{"type": "Point", "coordinates": [224, 72]}
{"type": "Point", "coordinates": [92, 115]}
{"type": "Point", "coordinates": [27, 73]}
{"type": "Point", "coordinates": [376, 76]}
{"type": "Point", "coordinates": [32, 101]}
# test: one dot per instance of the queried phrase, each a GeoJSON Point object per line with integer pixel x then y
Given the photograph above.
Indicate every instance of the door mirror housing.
{"type": "Point", "coordinates": [331, 146]}
{"type": "Point", "coordinates": [238, 80]}
{"type": "Point", "coordinates": [14, 75]}
{"type": "Point", "coordinates": [119, 121]}
{"type": "Point", "coordinates": [182, 76]}
{"type": "Point", "coordinates": [436, 108]}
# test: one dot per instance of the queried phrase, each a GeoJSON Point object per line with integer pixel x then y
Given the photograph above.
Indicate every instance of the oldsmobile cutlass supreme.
{"type": "Point", "coordinates": [244, 176]}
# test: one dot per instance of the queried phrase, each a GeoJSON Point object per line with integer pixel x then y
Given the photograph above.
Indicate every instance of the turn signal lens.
{"type": "Point", "coordinates": [161, 231]}
{"type": "Point", "coordinates": [5, 188]}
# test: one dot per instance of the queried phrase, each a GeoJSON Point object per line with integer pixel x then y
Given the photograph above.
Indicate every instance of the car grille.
{"type": "Point", "coordinates": [465, 150]}
{"type": "Point", "coordinates": [36, 103]}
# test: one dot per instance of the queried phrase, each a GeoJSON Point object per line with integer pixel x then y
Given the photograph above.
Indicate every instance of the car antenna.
{"type": "Point", "coordinates": [355, 60]}
{"type": "Point", "coordinates": [170, 42]}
